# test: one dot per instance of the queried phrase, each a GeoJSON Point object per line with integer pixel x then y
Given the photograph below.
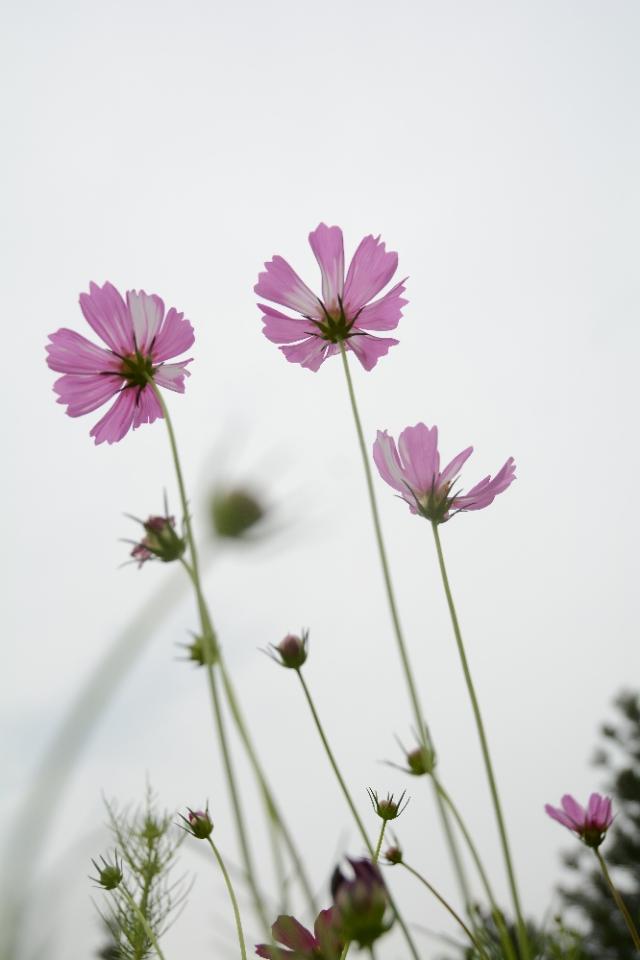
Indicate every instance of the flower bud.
{"type": "Point", "coordinates": [387, 808]}
{"type": "Point", "coordinates": [393, 855]}
{"type": "Point", "coordinates": [361, 903]}
{"type": "Point", "coordinates": [234, 512]}
{"type": "Point", "coordinates": [421, 761]}
{"type": "Point", "coordinates": [109, 874]}
{"type": "Point", "coordinates": [197, 652]}
{"type": "Point", "coordinates": [160, 541]}
{"type": "Point", "coordinates": [198, 823]}
{"type": "Point", "coordinates": [292, 650]}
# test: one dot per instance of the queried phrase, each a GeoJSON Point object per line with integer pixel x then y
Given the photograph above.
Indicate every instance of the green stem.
{"type": "Point", "coordinates": [484, 744]}
{"type": "Point", "coordinates": [269, 799]}
{"type": "Point", "coordinates": [211, 654]}
{"type": "Point", "coordinates": [422, 730]}
{"type": "Point", "coordinates": [345, 950]}
{"type": "Point", "coordinates": [376, 855]}
{"type": "Point", "coordinates": [232, 897]}
{"type": "Point", "coordinates": [356, 815]}
{"type": "Point", "coordinates": [505, 938]}
{"type": "Point", "coordinates": [143, 920]}
{"type": "Point", "coordinates": [621, 905]}
{"type": "Point", "coordinates": [456, 916]}
{"type": "Point", "coordinates": [334, 765]}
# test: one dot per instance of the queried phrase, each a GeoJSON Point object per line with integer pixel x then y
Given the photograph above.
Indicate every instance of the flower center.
{"type": "Point", "coordinates": [137, 369]}
{"type": "Point", "coordinates": [335, 325]}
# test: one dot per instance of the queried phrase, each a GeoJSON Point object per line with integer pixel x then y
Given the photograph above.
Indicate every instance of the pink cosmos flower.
{"type": "Point", "coordinates": [413, 469]}
{"type": "Point", "coordinates": [590, 825]}
{"type": "Point", "coordinates": [140, 338]}
{"type": "Point", "coordinates": [323, 944]}
{"type": "Point", "coordinates": [345, 313]}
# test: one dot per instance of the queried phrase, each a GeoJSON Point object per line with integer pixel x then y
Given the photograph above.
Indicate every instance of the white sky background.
{"type": "Point", "coordinates": [175, 147]}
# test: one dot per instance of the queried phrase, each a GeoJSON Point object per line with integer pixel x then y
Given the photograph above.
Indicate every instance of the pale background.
{"type": "Point", "coordinates": [175, 147]}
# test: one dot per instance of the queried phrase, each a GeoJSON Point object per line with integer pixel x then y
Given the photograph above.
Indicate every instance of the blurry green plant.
{"type": "Point", "coordinates": [142, 895]}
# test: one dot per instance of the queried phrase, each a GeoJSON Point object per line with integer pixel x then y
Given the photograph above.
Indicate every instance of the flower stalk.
{"type": "Point", "coordinates": [523, 940]}
{"type": "Point", "coordinates": [619, 902]}
{"type": "Point", "coordinates": [232, 897]}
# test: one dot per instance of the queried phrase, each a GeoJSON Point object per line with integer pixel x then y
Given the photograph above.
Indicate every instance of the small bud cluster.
{"type": "Point", "coordinates": [160, 542]}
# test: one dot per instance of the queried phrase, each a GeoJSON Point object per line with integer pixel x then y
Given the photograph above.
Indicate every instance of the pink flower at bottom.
{"type": "Point", "coordinates": [344, 314]}
{"type": "Point", "coordinates": [590, 825]}
{"type": "Point", "coordinates": [324, 943]}
{"type": "Point", "coordinates": [140, 337]}
{"type": "Point", "coordinates": [413, 469]}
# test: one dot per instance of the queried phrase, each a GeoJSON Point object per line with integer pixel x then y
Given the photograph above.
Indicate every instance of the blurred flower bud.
{"type": "Point", "coordinates": [421, 761]}
{"type": "Point", "coordinates": [196, 652]}
{"type": "Point", "coordinates": [362, 903]}
{"type": "Point", "coordinates": [234, 513]}
{"type": "Point", "coordinates": [160, 542]}
{"type": "Point", "coordinates": [109, 874]}
{"type": "Point", "coordinates": [387, 808]}
{"type": "Point", "coordinates": [292, 650]}
{"type": "Point", "coordinates": [198, 823]}
{"type": "Point", "coordinates": [393, 855]}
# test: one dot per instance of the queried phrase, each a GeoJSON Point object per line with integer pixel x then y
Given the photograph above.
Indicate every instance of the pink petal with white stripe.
{"type": "Point", "coordinates": [418, 448]}
{"type": "Point", "coordinates": [83, 393]}
{"type": "Point", "coordinates": [147, 409]}
{"type": "Point", "coordinates": [327, 245]}
{"type": "Point", "coordinates": [172, 375]}
{"type": "Point", "coordinates": [147, 314]}
{"type": "Point", "coordinates": [279, 282]}
{"type": "Point", "coordinates": [279, 328]}
{"type": "Point", "coordinates": [310, 353]}
{"type": "Point", "coordinates": [369, 271]}
{"type": "Point", "coordinates": [70, 352]}
{"type": "Point", "coordinates": [106, 312]}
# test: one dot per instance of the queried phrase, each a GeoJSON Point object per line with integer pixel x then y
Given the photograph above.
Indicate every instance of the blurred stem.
{"type": "Point", "coordinates": [354, 811]}
{"type": "Point", "coordinates": [345, 950]}
{"type": "Point", "coordinates": [210, 643]}
{"type": "Point", "coordinates": [143, 920]}
{"type": "Point", "coordinates": [232, 896]}
{"type": "Point", "coordinates": [523, 940]}
{"type": "Point", "coordinates": [505, 938]}
{"type": "Point", "coordinates": [422, 729]}
{"type": "Point", "coordinates": [456, 916]}
{"type": "Point", "coordinates": [621, 905]}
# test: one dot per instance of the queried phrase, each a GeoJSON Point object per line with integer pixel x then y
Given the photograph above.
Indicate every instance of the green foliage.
{"type": "Point", "coordinates": [145, 845]}
{"type": "Point", "coordinates": [607, 937]}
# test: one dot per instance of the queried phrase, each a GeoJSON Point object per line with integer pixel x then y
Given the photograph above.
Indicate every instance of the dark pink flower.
{"type": "Point", "coordinates": [140, 338]}
{"type": "Point", "coordinates": [323, 944]}
{"type": "Point", "coordinates": [591, 824]}
{"type": "Point", "coordinates": [413, 469]}
{"type": "Point", "coordinates": [345, 313]}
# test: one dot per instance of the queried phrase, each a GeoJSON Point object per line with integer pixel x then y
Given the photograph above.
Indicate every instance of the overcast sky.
{"type": "Point", "coordinates": [176, 146]}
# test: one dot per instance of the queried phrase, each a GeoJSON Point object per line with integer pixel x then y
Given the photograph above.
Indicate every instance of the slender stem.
{"type": "Point", "coordinates": [269, 799]}
{"type": "Point", "coordinates": [232, 897]}
{"type": "Point", "coordinates": [334, 765]}
{"type": "Point", "coordinates": [484, 744]}
{"type": "Point", "coordinates": [211, 654]}
{"type": "Point", "coordinates": [143, 920]}
{"type": "Point", "coordinates": [621, 905]}
{"type": "Point", "coordinates": [376, 855]}
{"type": "Point", "coordinates": [345, 950]}
{"type": "Point", "coordinates": [456, 916]}
{"type": "Point", "coordinates": [505, 938]}
{"type": "Point", "coordinates": [356, 815]}
{"type": "Point", "coordinates": [422, 730]}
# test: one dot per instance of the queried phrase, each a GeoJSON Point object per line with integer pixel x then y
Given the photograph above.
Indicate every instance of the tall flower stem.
{"type": "Point", "coordinates": [456, 916]}
{"type": "Point", "coordinates": [232, 897]}
{"type": "Point", "coordinates": [354, 811]}
{"type": "Point", "coordinates": [523, 941]}
{"type": "Point", "coordinates": [621, 905]}
{"type": "Point", "coordinates": [505, 938]}
{"type": "Point", "coordinates": [210, 643]}
{"type": "Point", "coordinates": [397, 629]}
{"type": "Point", "coordinates": [143, 920]}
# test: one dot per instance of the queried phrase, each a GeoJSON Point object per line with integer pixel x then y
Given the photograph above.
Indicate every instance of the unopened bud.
{"type": "Point", "coordinates": [393, 855]}
{"type": "Point", "coordinates": [361, 903]}
{"type": "Point", "coordinates": [198, 823]}
{"type": "Point", "coordinates": [421, 761]}
{"type": "Point", "coordinates": [234, 512]}
{"type": "Point", "coordinates": [387, 808]}
{"type": "Point", "coordinates": [109, 874]}
{"type": "Point", "coordinates": [292, 650]}
{"type": "Point", "coordinates": [160, 542]}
